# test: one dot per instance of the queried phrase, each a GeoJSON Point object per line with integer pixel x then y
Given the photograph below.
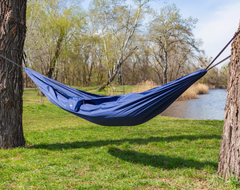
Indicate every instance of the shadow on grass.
{"type": "Point", "coordinates": [160, 161]}
{"type": "Point", "coordinates": [100, 143]}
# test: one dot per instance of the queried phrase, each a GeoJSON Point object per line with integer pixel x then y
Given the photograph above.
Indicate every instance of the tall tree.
{"type": "Point", "coordinates": [51, 26]}
{"type": "Point", "coordinates": [117, 24]}
{"type": "Point", "coordinates": [229, 157]}
{"type": "Point", "coordinates": [170, 32]}
{"type": "Point", "coordinates": [12, 37]}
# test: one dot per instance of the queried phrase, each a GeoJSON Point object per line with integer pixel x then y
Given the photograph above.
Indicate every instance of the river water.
{"type": "Point", "coordinates": [208, 106]}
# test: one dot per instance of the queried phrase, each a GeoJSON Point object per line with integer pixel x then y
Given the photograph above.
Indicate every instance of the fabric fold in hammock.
{"type": "Point", "coordinates": [121, 110]}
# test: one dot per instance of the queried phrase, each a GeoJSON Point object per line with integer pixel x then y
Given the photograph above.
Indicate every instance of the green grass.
{"type": "Point", "coordinates": [66, 152]}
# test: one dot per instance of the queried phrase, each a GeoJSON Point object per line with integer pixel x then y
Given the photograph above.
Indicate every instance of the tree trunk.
{"type": "Point", "coordinates": [12, 37]}
{"type": "Point", "coordinates": [26, 80]}
{"type": "Point", "coordinates": [229, 157]}
{"type": "Point", "coordinates": [120, 76]}
{"type": "Point", "coordinates": [165, 68]}
{"type": "Point", "coordinates": [110, 79]}
{"type": "Point", "coordinates": [53, 61]}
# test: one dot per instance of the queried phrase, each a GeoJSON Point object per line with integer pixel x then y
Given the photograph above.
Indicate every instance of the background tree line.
{"type": "Point", "coordinates": [113, 41]}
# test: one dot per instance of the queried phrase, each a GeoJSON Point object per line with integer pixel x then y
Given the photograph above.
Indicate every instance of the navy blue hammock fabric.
{"type": "Point", "coordinates": [121, 110]}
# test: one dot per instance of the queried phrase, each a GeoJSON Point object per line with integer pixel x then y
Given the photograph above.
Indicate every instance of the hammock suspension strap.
{"type": "Point", "coordinates": [10, 61]}
{"type": "Point", "coordinates": [219, 62]}
{"type": "Point", "coordinates": [208, 67]}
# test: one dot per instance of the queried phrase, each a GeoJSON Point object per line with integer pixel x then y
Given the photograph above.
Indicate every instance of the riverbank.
{"type": "Point", "coordinates": [193, 92]}
{"type": "Point", "coordinates": [190, 93]}
{"type": "Point", "coordinates": [206, 106]}
{"type": "Point", "coordinates": [65, 152]}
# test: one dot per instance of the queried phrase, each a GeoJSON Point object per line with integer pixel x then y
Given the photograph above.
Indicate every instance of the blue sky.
{"type": "Point", "coordinates": [218, 20]}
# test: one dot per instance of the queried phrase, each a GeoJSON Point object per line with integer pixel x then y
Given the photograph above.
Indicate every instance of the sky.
{"type": "Point", "coordinates": [218, 20]}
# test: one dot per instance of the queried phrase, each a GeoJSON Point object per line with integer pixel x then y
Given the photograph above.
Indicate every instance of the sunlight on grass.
{"type": "Point", "coordinates": [66, 152]}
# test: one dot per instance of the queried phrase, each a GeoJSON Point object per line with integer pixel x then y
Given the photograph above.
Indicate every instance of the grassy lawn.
{"type": "Point", "coordinates": [66, 152]}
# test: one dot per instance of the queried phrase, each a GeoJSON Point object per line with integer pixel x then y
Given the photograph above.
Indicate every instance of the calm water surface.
{"type": "Point", "coordinates": [208, 106]}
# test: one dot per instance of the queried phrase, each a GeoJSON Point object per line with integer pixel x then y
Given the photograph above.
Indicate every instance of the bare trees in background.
{"type": "Point", "coordinates": [51, 27]}
{"type": "Point", "coordinates": [172, 39]}
{"type": "Point", "coordinates": [111, 42]}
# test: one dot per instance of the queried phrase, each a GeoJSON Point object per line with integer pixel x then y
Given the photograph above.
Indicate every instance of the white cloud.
{"type": "Point", "coordinates": [218, 29]}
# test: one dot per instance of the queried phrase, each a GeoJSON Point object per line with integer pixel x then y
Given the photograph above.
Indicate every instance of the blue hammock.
{"type": "Point", "coordinates": [121, 110]}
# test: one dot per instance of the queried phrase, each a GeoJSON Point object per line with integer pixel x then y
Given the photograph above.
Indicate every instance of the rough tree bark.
{"type": "Point", "coordinates": [12, 37]}
{"type": "Point", "coordinates": [229, 157]}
